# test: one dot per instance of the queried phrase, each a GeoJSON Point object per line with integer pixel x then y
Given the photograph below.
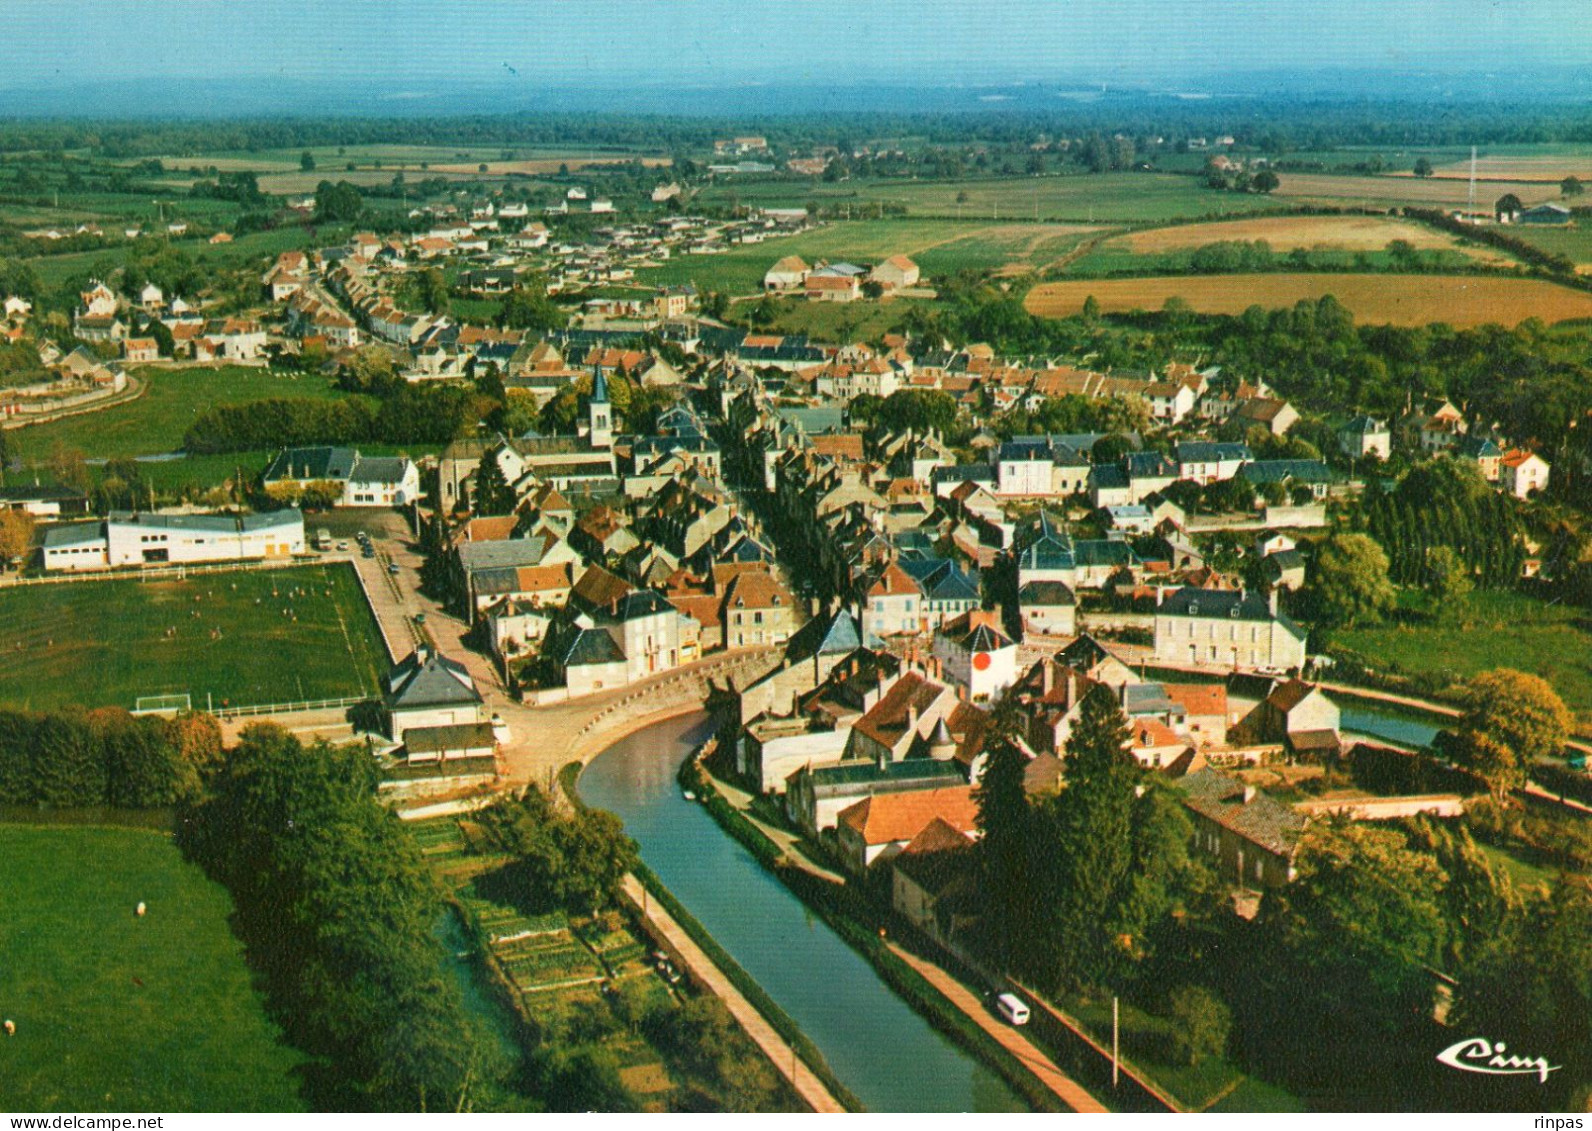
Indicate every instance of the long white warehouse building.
{"type": "Point", "coordinates": [176, 539]}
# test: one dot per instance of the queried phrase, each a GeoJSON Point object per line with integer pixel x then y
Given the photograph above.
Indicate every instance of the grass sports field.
{"type": "Point", "coordinates": [1400, 300]}
{"type": "Point", "coordinates": [156, 422]}
{"type": "Point", "coordinates": [119, 1013]}
{"type": "Point", "coordinates": [105, 643]}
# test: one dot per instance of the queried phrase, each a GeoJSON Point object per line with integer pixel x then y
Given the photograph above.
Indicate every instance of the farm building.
{"type": "Point", "coordinates": [786, 275]}
{"type": "Point", "coordinates": [1545, 213]}
{"type": "Point", "coordinates": [895, 273]}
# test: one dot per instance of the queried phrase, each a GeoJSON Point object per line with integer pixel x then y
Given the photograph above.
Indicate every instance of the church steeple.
{"type": "Point", "coordinates": [599, 413]}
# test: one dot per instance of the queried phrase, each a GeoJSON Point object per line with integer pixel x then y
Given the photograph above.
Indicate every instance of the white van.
{"type": "Point", "coordinates": [1013, 1008]}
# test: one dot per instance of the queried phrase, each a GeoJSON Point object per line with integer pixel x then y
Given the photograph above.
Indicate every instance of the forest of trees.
{"type": "Point", "coordinates": [405, 415]}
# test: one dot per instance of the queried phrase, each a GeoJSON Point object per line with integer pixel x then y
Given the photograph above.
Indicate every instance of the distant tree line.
{"type": "Point", "coordinates": [1261, 124]}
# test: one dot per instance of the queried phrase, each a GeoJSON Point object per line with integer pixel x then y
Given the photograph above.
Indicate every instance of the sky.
{"type": "Point", "coordinates": [416, 43]}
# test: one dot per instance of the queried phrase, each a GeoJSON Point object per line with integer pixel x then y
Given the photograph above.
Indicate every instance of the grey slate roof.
{"type": "Point", "coordinates": [1363, 425]}
{"type": "Point", "coordinates": [1103, 552]}
{"type": "Point", "coordinates": [1225, 604]}
{"type": "Point", "coordinates": [379, 469]}
{"type": "Point", "coordinates": [1045, 594]}
{"type": "Point", "coordinates": [835, 635]}
{"type": "Point", "coordinates": [1283, 470]}
{"type": "Point", "coordinates": [312, 463]}
{"type": "Point", "coordinates": [1149, 465]}
{"type": "Point", "coordinates": [510, 553]}
{"type": "Point", "coordinates": [592, 646]}
{"type": "Point", "coordinates": [1202, 451]}
{"type": "Point", "coordinates": [73, 534]}
{"type": "Point", "coordinates": [1263, 820]}
{"type": "Point", "coordinates": [435, 681]}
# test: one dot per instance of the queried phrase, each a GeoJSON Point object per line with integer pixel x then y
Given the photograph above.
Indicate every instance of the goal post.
{"type": "Point", "coordinates": [169, 704]}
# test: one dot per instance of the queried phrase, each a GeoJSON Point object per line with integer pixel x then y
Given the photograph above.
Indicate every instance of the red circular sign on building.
{"type": "Point", "coordinates": [981, 661]}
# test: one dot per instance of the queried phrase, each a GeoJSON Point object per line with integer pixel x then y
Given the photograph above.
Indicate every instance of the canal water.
{"type": "Point", "coordinates": [891, 1058]}
{"type": "Point", "coordinates": [885, 1053]}
{"type": "Point", "coordinates": [1405, 730]}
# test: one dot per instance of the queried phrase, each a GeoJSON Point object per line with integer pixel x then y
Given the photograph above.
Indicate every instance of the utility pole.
{"type": "Point", "coordinates": [1116, 1032]}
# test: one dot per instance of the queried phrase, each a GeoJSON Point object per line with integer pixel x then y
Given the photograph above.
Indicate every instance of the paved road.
{"type": "Point", "coordinates": [780, 1054]}
{"type": "Point", "coordinates": [1066, 1089]}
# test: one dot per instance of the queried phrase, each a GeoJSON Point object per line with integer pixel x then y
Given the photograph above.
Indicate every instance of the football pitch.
{"type": "Point", "coordinates": [236, 638]}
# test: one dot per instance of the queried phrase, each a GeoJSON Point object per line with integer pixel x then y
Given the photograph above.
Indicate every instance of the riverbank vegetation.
{"type": "Point", "coordinates": [337, 911]}
{"type": "Point", "coordinates": [604, 1026]}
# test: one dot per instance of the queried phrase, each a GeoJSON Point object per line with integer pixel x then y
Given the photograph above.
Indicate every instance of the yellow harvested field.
{"type": "Point", "coordinates": [548, 165]}
{"type": "Point", "coordinates": [1400, 300]}
{"type": "Point", "coordinates": [1439, 191]}
{"type": "Point", "coordinates": [1285, 233]}
{"type": "Point", "coordinates": [1536, 167]}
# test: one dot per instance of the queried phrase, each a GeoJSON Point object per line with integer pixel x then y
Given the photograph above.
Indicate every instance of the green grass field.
{"type": "Point", "coordinates": [1484, 631]}
{"type": "Point", "coordinates": [115, 1013]}
{"type": "Point", "coordinates": [1574, 241]}
{"type": "Point", "coordinates": [104, 643]}
{"type": "Point", "coordinates": [939, 247]}
{"type": "Point", "coordinates": [55, 271]}
{"type": "Point", "coordinates": [156, 422]}
{"type": "Point", "coordinates": [837, 322]}
{"type": "Point", "coordinates": [1078, 198]}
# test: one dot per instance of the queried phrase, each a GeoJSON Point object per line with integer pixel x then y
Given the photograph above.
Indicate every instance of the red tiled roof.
{"type": "Point", "coordinates": [886, 722]}
{"type": "Point", "coordinates": [888, 817]}
{"type": "Point", "coordinates": [1199, 698]}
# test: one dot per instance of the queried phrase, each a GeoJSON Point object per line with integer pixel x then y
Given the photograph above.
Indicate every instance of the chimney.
{"type": "Point", "coordinates": [1271, 601]}
{"type": "Point", "coordinates": [422, 654]}
{"type": "Point", "coordinates": [1047, 671]}
{"type": "Point", "coordinates": [912, 716]}
{"type": "Point", "coordinates": [1160, 593]}
{"type": "Point", "coordinates": [1249, 794]}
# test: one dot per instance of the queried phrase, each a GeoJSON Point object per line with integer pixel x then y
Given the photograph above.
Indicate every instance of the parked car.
{"type": "Point", "coordinates": [1012, 1008]}
{"type": "Point", "coordinates": [392, 567]}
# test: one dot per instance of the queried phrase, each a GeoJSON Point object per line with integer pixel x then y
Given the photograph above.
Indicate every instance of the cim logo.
{"type": "Point", "coordinates": [981, 661]}
{"type": "Point", "coordinates": [1477, 1054]}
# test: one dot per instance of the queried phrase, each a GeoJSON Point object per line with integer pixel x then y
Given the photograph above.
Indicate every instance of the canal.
{"type": "Point", "coordinates": [891, 1058]}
